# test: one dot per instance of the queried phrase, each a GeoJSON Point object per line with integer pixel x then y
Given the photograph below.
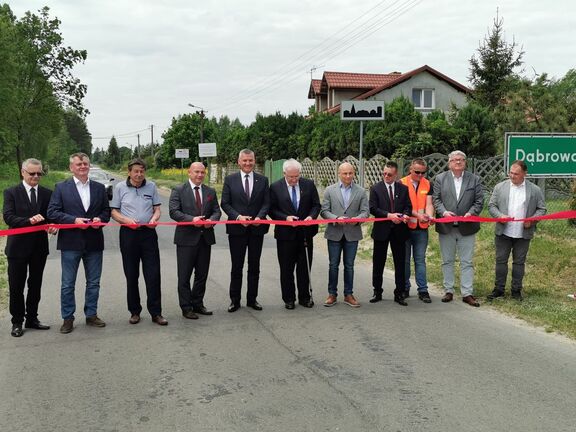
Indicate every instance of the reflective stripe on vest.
{"type": "Point", "coordinates": [418, 199]}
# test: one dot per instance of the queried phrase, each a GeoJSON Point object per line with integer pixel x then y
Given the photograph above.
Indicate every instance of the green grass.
{"type": "Point", "coordinates": [550, 273]}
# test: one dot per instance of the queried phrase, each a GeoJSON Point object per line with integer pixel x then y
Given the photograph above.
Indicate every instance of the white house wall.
{"type": "Point", "coordinates": [444, 93]}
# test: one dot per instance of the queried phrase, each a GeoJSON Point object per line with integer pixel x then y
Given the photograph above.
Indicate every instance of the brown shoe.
{"type": "Point", "coordinates": [331, 301]}
{"type": "Point", "coordinates": [94, 321]}
{"type": "Point", "coordinates": [448, 297]}
{"type": "Point", "coordinates": [471, 301]}
{"type": "Point", "coordinates": [351, 301]}
{"type": "Point", "coordinates": [160, 320]}
{"type": "Point", "coordinates": [134, 319]}
{"type": "Point", "coordinates": [67, 327]}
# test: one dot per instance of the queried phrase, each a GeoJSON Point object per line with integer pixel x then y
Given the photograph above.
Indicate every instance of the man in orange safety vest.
{"type": "Point", "coordinates": [420, 191]}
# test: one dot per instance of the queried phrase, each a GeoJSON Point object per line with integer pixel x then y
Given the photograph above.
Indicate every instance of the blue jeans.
{"type": "Point", "coordinates": [335, 249]}
{"type": "Point", "coordinates": [70, 261]}
{"type": "Point", "coordinates": [416, 245]}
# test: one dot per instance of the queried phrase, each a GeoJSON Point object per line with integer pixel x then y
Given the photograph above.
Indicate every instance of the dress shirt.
{"type": "Point", "coordinates": [192, 185]}
{"type": "Point", "coordinates": [297, 186]}
{"type": "Point", "coordinates": [28, 189]}
{"type": "Point", "coordinates": [458, 183]}
{"type": "Point", "coordinates": [345, 191]}
{"type": "Point", "coordinates": [84, 192]}
{"type": "Point", "coordinates": [516, 209]}
{"type": "Point", "coordinates": [250, 180]}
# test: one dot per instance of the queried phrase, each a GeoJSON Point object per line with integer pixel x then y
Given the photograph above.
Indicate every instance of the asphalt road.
{"type": "Point", "coordinates": [437, 367]}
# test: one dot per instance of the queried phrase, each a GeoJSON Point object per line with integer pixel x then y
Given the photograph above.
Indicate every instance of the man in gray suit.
{"type": "Point", "coordinates": [514, 198]}
{"type": "Point", "coordinates": [458, 192]}
{"type": "Point", "coordinates": [343, 200]}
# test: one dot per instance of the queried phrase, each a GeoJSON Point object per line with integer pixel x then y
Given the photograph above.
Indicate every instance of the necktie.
{"type": "Point", "coordinates": [294, 198]}
{"type": "Point", "coordinates": [247, 186]}
{"type": "Point", "coordinates": [198, 201]}
{"type": "Point", "coordinates": [33, 200]}
{"type": "Point", "coordinates": [391, 199]}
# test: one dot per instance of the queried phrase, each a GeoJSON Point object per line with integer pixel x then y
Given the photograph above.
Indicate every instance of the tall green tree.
{"type": "Point", "coordinates": [36, 83]}
{"type": "Point", "coordinates": [113, 157]}
{"type": "Point", "coordinates": [493, 70]}
{"type": "Point", "coordinates": [78, 131]}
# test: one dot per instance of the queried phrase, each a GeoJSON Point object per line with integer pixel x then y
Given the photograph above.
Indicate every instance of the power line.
{"type": "Point", "coordinates": [303, 58]}
{"type": "Point", "coordinates": [349, 39]}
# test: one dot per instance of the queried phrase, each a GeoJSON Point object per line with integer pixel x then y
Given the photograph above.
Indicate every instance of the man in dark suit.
{"type": "Point", "coordinates": [245, 197]}
{"type": "Point", "coordinates": [390, 199]}
{"type": "Point", "coordinates": [193, 202]}
{"type": "Point", "coordinates": [294, 198]}
{"type": "Point", "coordinates": [458, 192]}
{"type": "Point", "coordinates": [82, 202]}
{"type": "Point", "coordinates": [26, 205]}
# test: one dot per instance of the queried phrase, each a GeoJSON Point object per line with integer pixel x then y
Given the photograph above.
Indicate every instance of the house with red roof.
{"type": "Point", "coordinates": [427, 88]}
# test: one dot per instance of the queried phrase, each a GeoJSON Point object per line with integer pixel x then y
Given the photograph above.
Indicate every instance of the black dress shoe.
{"type": "Point", "coordinates": [400, 300]}
{"type": "Point", "coordinates": [17, 330]}
{"type": "Point", "coordinates": [36, 325]}
{"type": "Point", "coordinates": [495, 294]}
{"type": "Point", "coordinates": [233, 307]}
{"type": "Point", "coordinates": [307, 303]}
{"type": "Point", "coordinates": [376, 298]}
{"type": "Point", "coordinates": [202, 311]}
{"type": "Point", "coordinates": [189, 314]}
{"type": "Point", "coordinates": [255, 305]}
{"type": "Point", "coordinates": [289, 305]}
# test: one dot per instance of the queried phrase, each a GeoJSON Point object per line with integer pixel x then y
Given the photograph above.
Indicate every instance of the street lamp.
{"type": "Point", "coordinates": [201, 112]}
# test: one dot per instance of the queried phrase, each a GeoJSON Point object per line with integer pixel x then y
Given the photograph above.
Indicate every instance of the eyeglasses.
{"type": "Point", "coordinates": [419, 172]}
{"type": "Point", "coordinates": [35, 174]}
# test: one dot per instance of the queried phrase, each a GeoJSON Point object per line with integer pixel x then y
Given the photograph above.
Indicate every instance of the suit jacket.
{"type": "Point", "coordinates": [66, 205]}
{"type": "Point", "coordinates": [236, 203]}
{"type": "Point", "coordinates": [471, 201]}
{"type": "Point", "coordinates": [534, 205]}
{"type": "Point", "coordinates": [182, 208]}
{"type": "Point", "coordinates": [281, 207]}
{"type": "Point", "coordinates": [333, 206]}
{"type": "Point", "coordinates": [380, 207]}
{"type": "Point", "coordinates": [17, 212]}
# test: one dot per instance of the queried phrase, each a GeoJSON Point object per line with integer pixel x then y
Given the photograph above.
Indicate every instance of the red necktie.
{"type": "Point", "coordinates": [198, 201]}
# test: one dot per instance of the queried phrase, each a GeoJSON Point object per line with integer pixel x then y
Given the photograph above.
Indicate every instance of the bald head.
{"type": "Point", "coordinates": [346, 173]}
{"type": "Point", "coordinates": [196, 173]}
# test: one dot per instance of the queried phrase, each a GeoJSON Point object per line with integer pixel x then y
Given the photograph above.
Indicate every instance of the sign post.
{"type": "Point", "coordinates": [182, 154]}
{"type": "Point", "coordinates": [207, 150]}
{"type": "Point", "coordinates": [359, 111]}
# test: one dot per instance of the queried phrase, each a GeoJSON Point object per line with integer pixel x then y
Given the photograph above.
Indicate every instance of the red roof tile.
{"type": "Point", "coordinates": [314, 88]}
{"type": "Point", "coordinates": [355, 80]}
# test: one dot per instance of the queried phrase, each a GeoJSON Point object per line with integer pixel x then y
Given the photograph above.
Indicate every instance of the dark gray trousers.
{"type": "Point", "coordinates": [519, 249]}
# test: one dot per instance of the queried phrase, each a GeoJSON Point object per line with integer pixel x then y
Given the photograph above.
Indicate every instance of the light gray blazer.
{"type": "Point", "coordinates": [471, 200]}
{"type": "Point", "coordinates": [534, 205]}
{"type": "Point", "coordinates": [333, 207]}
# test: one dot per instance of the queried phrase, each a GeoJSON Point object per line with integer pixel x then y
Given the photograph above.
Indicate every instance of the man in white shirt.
{"type": "Point", "coordinates": [515, 198]}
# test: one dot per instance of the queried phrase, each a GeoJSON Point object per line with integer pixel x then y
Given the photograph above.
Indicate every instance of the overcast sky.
{"type": "Point", "coordinates": [148, 59]}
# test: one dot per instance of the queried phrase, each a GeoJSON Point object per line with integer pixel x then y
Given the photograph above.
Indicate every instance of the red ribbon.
{"type": "Point", "coordinates": [568, 214]}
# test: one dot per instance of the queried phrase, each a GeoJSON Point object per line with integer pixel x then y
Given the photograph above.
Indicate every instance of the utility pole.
{"type": "Point", "coordinates": [202, 113]}
{"type": "Point", "coordinates": [138, 145]}
{"type": "Point", "coordinates": [152, 137]}
{"type": "Point", "coordinates": [313, 69]}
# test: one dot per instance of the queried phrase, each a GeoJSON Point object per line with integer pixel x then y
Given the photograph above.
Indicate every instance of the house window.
{"type": "Point", "coordinates": [423, 98]}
